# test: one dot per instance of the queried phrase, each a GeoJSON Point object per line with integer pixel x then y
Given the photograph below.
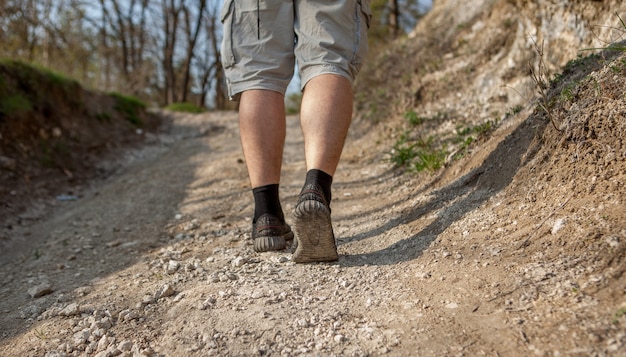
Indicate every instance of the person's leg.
{"type": "Point", "coordinates": [257, 55]}
{"type": "Point", "coordinates": [332, 43]}
{"type": "Point", "coordinates": [262, 132]}
{"type": "Point", "coordinates": [325, 117]}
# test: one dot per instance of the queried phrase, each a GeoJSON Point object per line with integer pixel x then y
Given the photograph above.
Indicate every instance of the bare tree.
{"type": "Point", "coordinates": [192, 30]}
{"type": "Point", "coordinates": [394, 18]}
{"type": "Point", "coordinates": [171, 14]}
{"type": "Point", "coordinates": [162, 51]}
{"type": "Point", "coordinates": [209, 65]}
{"type": "Point", "coordinates": [128, 27]}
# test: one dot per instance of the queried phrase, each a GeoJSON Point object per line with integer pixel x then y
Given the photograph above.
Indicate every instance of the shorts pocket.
{"type": "Point", "coordinates": [366, 9]}
{"type": "Point", "coordinates": [227, 54]}
{"type": "Point", "coordinates": [363, 21]}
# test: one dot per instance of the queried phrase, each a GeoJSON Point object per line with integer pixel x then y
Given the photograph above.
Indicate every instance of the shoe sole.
{"type": "Point", "coordinates": [314, 233]}
{"type": "Point", "coordinates": [272, 243]}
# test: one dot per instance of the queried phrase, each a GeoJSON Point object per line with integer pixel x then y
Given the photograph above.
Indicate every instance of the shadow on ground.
{"type": "Point", "coordinates": [453, 201]}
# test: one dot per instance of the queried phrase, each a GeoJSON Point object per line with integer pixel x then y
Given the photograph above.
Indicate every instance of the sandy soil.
{"type": "Point", "coordinates": [516, 248]}
{"type": "Point", "coordinates": [488, 256]}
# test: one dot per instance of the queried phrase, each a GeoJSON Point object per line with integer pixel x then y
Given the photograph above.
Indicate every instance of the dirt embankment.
{"type": "Point", "coordinates": [55, 136]}
{"type": "Point", "coordinates": [514, 247]}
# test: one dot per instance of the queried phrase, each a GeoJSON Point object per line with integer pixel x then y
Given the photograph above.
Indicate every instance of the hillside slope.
{"type": "Point", "coordinates": [514, 247]}
{"type": "Point", "coordinates": [55, 136]}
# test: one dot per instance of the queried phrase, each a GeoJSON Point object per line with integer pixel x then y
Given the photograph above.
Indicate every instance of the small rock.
{"type": "Point", "coordinates": [103, 343]}
{"type": "Point", "coordinates": [339, 338]}
{"type": "Point", "coordinates": [70, 310]}
{"type": "Point", "coordinates": [81, 337]}
{"type": "Point", "coordinates": [172, 266]}
{"type": "Point", "coordinates": [125, 346]}
{"type": "Point", "coordinates": [51, 312]}
{"type": "Point", "coordinates": [127, 315]}
{"type": "Point", "coordinates": [148, 299]}
{"type": "Point", "coordinates": [82, 291]}
{"type": "Point", "coordinates": [164, 291]}
{"type": "Point", "coordinates": [30, 311]}
{"type": "Point", "coordinates": [613, 241]}
{"type": "Point", "coordinates": [208, 303]}
{"type": "Point", "coordinates": [239, 262]}
{"type": "Point", "coordinates": [422, 275]}
{"type": "Point", "coordinates": [558, 224]}
{"type": "Point", "coordinates": [40, 290]}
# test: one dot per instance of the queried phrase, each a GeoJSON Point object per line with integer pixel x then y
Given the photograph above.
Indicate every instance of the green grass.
{"type": "Point", "coordinates": [129, 107]}
{"type": "Point", "coordinates": [567, 94]}
{"type": "Point", "coordinates": [185, 108]}
{"type": "Point", "coordinates": [14, 104]}
{"type": "Point", "coordinates": [413, 119]}
{"type": "Point", "coordinates": [34, 84]}
{"type": "Point", "coordinates": [513, 111]}
{"type": "Point", "coordinates": [417, 156]}
{"type": "Point", "coordinates": [33, 74]}
{"type": "Point", "coordinates": [467, 135]}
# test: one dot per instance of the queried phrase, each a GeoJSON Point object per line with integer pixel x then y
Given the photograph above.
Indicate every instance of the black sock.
{"type": "Point", "coordinates": [266, 200]}
{"type": "Point", "coordinates": [321, 178]}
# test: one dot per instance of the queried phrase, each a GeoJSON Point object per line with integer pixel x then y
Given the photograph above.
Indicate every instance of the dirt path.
{"type": "Point", "coordinates": [157, 261]}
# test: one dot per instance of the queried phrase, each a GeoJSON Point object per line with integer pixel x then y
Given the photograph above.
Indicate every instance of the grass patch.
{"type": "Point", "coordinates": [419, 153]}
{"type": "Point", "coordinates": [185, 107]}
{"type": "Point", "coordinates": [466, 136]}
{"type": "Point", "coordinates": [413, 119]}
{"type": "Point", "coordinates": [14, 104]}
{"type": "Point", "coordinates": [43, 87]}
{"type": "Point", "coordinates": [567, 94]}
{"type": "Point", "coordinates": [513, 111]}
{"type": "Point", "coordinates": [129, 107]}
{"type": "Point", "coordinates": [418, 156]}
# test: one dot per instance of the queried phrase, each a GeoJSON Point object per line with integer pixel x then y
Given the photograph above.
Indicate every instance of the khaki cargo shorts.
{"type": "Point", "coordinates": [264, 39]}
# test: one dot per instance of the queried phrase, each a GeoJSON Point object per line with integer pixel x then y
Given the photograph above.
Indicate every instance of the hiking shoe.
{"type": "Point", "coordinates": [270, 233]}
{"type": "Point", "coordinates": [313, 227]}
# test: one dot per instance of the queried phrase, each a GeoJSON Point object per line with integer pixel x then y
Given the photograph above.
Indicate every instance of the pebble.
{"type": "Point", "coordinates": [81, 337]}
{"type": "Point", "coordinates": [70, 310]}
{"type": "Point", "coordinates": [239, 262]}
{"type": "Point", "coordinates": [164, 291]}
{"type": "Point", "coordinates": [40, 290]}
{"type": "Point", "coordinates": [452, 305]}
{"type": "Point", "coordinates": [172, 266]}
{"type": "Point", "coordinates": [127, 315]}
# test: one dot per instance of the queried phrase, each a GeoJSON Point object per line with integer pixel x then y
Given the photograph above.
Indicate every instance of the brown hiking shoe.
{"type": "Point", "coordinates": [313, 227]}
{"type": "Point", "coordinates": [270, 233]}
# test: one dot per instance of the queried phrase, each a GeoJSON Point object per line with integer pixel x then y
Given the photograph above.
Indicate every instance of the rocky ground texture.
{"type": "Point", "coordinates": [516, 248]}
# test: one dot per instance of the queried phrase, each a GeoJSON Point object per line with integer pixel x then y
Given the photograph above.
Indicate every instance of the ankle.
{"type": "Point", "coordinates": [322, 179]}
{"type": "Point", "coordinates": [267, 201]}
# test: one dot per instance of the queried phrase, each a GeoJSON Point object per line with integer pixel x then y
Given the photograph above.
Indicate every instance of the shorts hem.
{"type": "Point", "coordinates": [318, 70]}
{"type": "Point", "coordinates": [235, 89]}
